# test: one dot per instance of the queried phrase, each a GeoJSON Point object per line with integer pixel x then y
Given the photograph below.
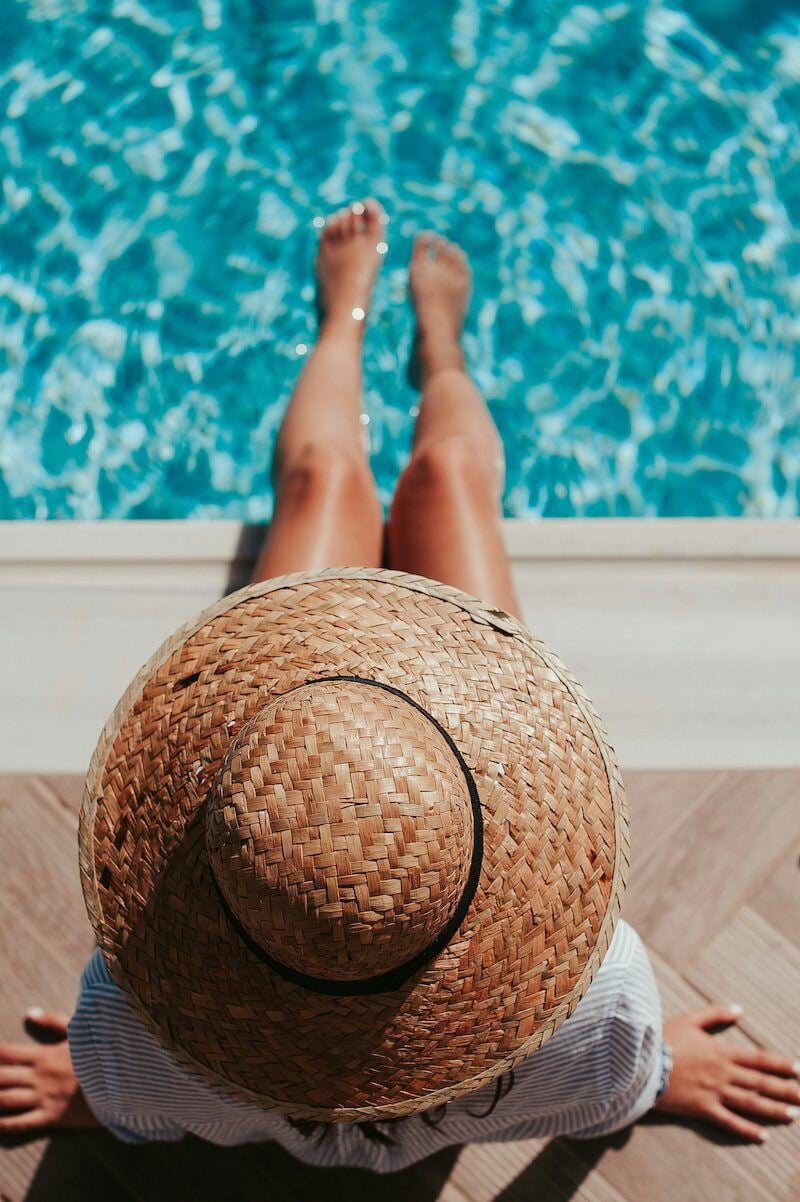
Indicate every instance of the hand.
{"type": "Point", "coordinates": [722, 1082]}
{"type": "Point", "coordinates": [38, 1086]}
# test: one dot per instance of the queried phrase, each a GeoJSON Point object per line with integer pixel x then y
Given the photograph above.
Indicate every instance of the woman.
{"type": "Point", "coordinates": [610, 1061]}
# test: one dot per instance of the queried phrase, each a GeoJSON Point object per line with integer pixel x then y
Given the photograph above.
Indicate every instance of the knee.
{"type": "Point", "coordinates": [447, 465]}
{"type": "Point", "coordinates": [321, 472]}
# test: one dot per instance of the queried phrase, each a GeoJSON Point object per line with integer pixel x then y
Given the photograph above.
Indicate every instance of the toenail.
{"type": "Point", "coordinates": [796, 1068]}
{"type": "Point", "coordinates": [792, 1113]}
{"type": "Point", "coordinates": [358, 314]}
{"type": "Point", "coordinates": [301, 348]}
{"type": "Point", "coordinates": [357, 208]}
{"type": "Point", "coordinates": [34, 1012]}
{"type": "Point", "coordinates": [318, 223]}
{"type": "Point", "coordinates": [384, 218]}
{"type": "Point", "coordinates": [382, 248]}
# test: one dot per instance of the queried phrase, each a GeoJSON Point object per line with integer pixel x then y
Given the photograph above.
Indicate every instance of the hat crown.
{"type": "Point", "coordinates": [340, 830]}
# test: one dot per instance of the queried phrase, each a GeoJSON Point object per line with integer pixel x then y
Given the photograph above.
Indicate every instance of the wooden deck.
{"type": "Point", "coordinates": [714, 892]}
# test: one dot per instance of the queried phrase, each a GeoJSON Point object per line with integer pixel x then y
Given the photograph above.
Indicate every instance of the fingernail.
{"type": "Point", "coordinates": [34, 1012]}
{"type": "Point", "coordinates": [792, 1113]}
{"type": "Point", "coordinates": [736, 1009]}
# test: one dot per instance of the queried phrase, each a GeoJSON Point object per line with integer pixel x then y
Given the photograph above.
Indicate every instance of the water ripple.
{"type": "Point", "coordinates": [625, 178]}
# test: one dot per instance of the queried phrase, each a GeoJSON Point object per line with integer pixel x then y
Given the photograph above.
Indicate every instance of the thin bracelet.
{"type": "Point", "coordinates": [666, 1068]}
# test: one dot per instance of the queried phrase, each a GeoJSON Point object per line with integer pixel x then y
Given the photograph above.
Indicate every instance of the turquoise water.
{"type": "Point", "coordinates": [625, 178]}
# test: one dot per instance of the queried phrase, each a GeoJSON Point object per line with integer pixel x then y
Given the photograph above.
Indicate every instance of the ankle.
{"type": "Point", "coordinates": [437, 353]}
{"type": "Point", "coordinates": [341, 326]}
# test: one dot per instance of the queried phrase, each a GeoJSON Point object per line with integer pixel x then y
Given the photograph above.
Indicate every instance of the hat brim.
{"type": "Point", "coordinates": [554, 866]}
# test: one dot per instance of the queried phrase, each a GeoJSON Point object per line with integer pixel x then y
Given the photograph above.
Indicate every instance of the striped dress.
{"type": "Point", "coordinates": [600, 1071]}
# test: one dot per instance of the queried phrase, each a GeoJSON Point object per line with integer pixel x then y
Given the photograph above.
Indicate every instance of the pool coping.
{"type": "Point", "coordinates": [683, 631]}
{"type": "Point", "coordinates": [211, 541]}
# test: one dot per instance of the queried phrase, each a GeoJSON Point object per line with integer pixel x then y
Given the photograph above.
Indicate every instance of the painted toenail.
{"type": "Point", "coordinates": [357, 208]}
{"type": "Point", "coordinates": [792, 1113]}
{"type": "Point", "coordinates": [318, 223]}
{"type": "Point", "coordinates": [382, 248]}
{"type": "Point", "coordinates": [34, 1012]}
{"type": "Point", "coordinates": [364, 419]}
{"type": "Point", "coordinates": [384, 219]}
{"type": "Point", "coordinates": [736, 1009]}
{"type": "Point", "coordinates": [796, 1068]}
{"type": "Point", "coordinates": [358, 314]}
{"type": "Point", "coordinates": [300, 349]}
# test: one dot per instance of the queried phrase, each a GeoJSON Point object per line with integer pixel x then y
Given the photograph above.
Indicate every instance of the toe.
{"type": "Point", "coordinates": [333, 229]}
{"type": "Point", "coordinates": [373, 216]}
{"type": "Point", "coordinates": [355, 219]}
{"type": "Point", "coordinates": [424, 244]}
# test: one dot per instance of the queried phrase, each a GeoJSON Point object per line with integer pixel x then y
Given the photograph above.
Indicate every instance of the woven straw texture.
{"type": "Point", "coordinates": [237, 797]}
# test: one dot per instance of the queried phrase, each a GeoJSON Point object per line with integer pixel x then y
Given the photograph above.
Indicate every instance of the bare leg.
{"type": "Point", "coordinates": [327, 511]}
{"type": "Point", "coordinates": [445, 517]}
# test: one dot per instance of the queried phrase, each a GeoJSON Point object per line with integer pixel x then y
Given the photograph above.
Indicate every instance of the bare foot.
{"type": "Point", "coordinates": [722, 1082]}
{"type": "Point", "coordinates": [440, 286]}
{"type": "Point", "coordinates": [350, 253]}
{"type": "Point", "coordinates": [38, 1087]}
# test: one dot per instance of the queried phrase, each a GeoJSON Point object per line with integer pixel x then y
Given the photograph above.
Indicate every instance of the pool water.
{"type": "Point", "coordinates": [624, 176]}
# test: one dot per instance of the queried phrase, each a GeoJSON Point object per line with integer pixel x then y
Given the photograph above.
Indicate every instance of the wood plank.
{"type": "Point", "coordinates": [776, 1166]}
{"type": "Point", "coordinates": [661, 1161]}
{"type": "Point", "coordinates": [750, 962]}
{"type": "Point", "coordinates": [720, 853]}
{"type": "Point", "coordinates": [64, 790]}
{"type": "Point", "coordinates": [778, 899]}
{"type": "Point", "coordinates": [659, 803]}
{"type": "Point", "coordinates": [64, 1169]}
{"type": "Point", "coordinates": [39, 870]}
{"type": "Point", "coordinates": [531, 1169]}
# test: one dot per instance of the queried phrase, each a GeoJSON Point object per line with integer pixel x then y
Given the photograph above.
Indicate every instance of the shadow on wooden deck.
{"type": "Point", "coordinates": [714, 892]}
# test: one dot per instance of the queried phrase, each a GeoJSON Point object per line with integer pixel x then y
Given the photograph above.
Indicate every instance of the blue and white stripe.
{"type": "Point", "coordinates": [599, 1072]}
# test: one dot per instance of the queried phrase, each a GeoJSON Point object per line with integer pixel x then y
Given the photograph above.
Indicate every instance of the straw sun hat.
{"type": "Point", "coordinates": [353, 843]}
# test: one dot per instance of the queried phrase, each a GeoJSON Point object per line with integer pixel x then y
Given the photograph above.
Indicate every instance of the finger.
{"type": "Point", "coordinates": [747, 1102]}
{"type": "Point", "coordinates": [15, 1053]}
{"type": "Point", "coordinates": [714, 1016]}
{"type": "Point", "coordinates": [47, 1026]}
{"type": "Point", "coordinates": [767, 1062]}
{"type": "Point", "coordinates": [31, 1120]}
{"type": "Point", "coordinates": [772, 1087]}
{"type": "Point", "coordinates": [738, 1125]}
{"type": "Point", "coordinates": [17, 1099]}
{"type": "Point", "coordinates": [15, 1074]}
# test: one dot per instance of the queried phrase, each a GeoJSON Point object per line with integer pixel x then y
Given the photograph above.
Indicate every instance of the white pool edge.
{"type": "Point", "coordinates": [551, 538]}
{"type": "Point", "coordinates": [686, 633]}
